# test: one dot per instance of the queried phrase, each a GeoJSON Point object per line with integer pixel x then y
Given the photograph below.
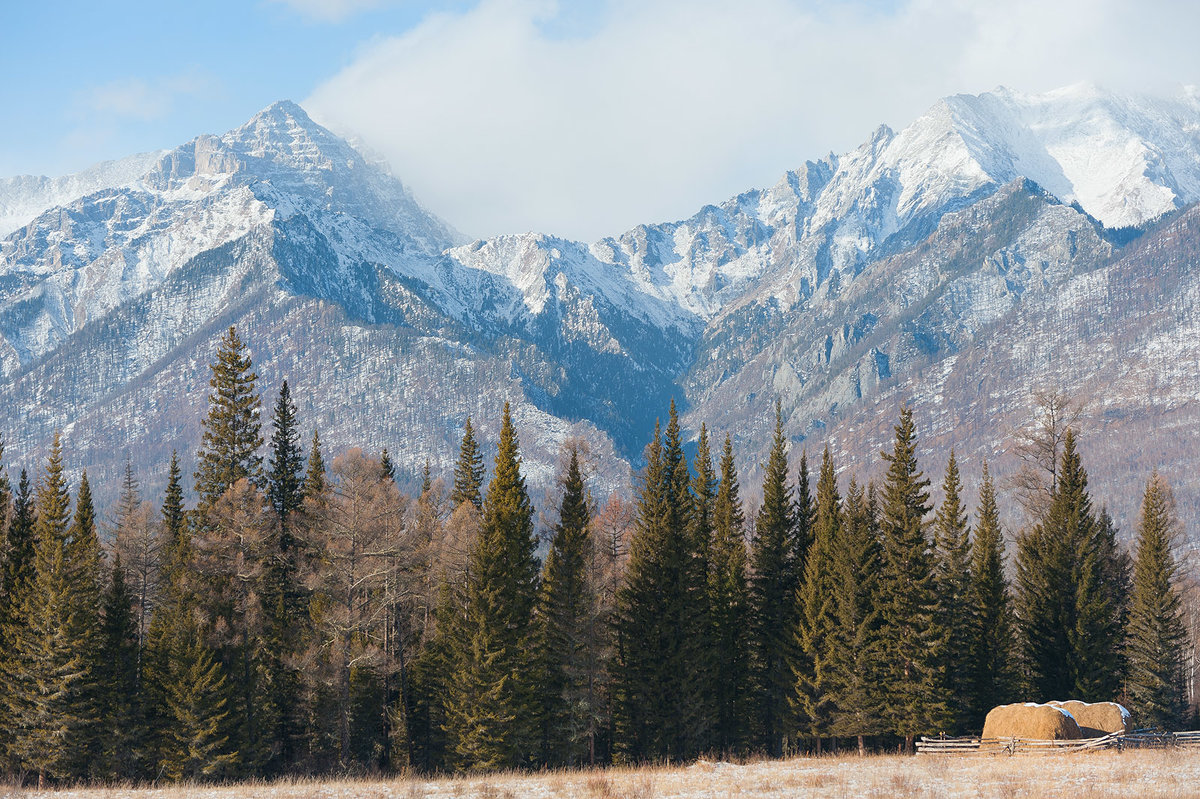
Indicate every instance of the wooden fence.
{"type": "Point", "coordinates": [1141, 739]}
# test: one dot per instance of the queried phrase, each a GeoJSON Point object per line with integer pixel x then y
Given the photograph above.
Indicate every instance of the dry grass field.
{"type": "Point", "coordinates": [1146, 774]}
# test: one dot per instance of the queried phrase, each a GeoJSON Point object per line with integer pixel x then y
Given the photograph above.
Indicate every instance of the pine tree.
{"type": "Point", "coordinates": [174, 520]}
{"type": "Point", "coordinates": [83, 559]}
{"type": "Point", "coordinates": [812, 660]}
{"type": "Point", "coordinates": [660, 618]}
{"type": "Point", "coordinates": [993, 678]}
{"type": "Point", "coordinates": [117, 678]}
{"type": "Point", "coordinates": [285, 484]}
{"type": "Point", "coordinates": [856, 680]}
{"type": "Point", "coordinates": [18, 564]}
{"type": "Point", "coordinates": [952, 582]}
{"type": "Point", "coordinates": [468, 471]}
{"type": "Point", "coordinates": [314, 473]}
{"type": "Point", "coordinates": [774, 569]}
{"type": "Point", "coordinates": [704, 488]}
{"type": "Point", "coordinates": [1156, 630]}
{"type": "Point", "coordinates": [566, 613]}
{"type": "Point", "coordinates": [47, 671]}
{"type": "Point", "coordinates": [1068, 616]}
{"type": "Point", "coordinates": [492, 701]}
{"type": "Point", "coordinates": [197, 742]}
{"type": "Point", "coordinates": [385, 463]}
{"type": "Point", "coordinates": [728, 594]}
{"type": "Point", "coordinates": [908, 601]}
{"type": "Point", "coordinates": [232, 429]}
{"type": "Point", "coordinates": [284, 603]}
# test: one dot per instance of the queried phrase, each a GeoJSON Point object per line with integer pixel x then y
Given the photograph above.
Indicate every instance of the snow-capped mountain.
{"type": "Point", "coordinates": [855, 283]}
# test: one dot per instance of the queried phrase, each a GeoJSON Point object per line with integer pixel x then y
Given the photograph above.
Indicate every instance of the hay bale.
{"type": "Point", "coordinates": [1031, 722]}
{"type": "Point", "coordinates": [1097, 719]}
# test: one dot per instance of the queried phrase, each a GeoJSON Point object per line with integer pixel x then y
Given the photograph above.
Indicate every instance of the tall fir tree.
{"type": "Point", "coordinates": [856, 679]}
{"type": "Point", "coordinates": [993, 677]}
{"type": "Point", "coordinates": [704, 486]}
{"type": "Point", "coordinates": [314, 470]}
{"type": "Point", "coordinates": [955, 612]}
{"type": "Point", "coordinates": [1069, 620]}
{"type": "Point", "coordinates": [83, 557]}
{"type": "Point", "coordinates": [812, 660]}
{"type": "Point", "coordinates": [285, 469]}
{"type": "Point", "coordinates": [775, 567]}
{"type": "Point", "coordinates": [567, 632]}
{"type": "Point", "coordinates": [47, 671]}
{"type": "Point", "coordinates": [284, 603]}
{"type": "Point", "coordinates": [492, 706]}
{"type": "Point", "coordinates": [17, 570]}
{"type": "Point", "coordinates": [118, 715]}
{"type": "Point", "coordinates": [915, 702]}
{"type": "Point", "coordinates": [468, 471]}
{"type": "Point", "coordinates": [729, 609]}
{"type": "Point", "coordinates": [659, 712]}
{"type": "Point", "coordinates": [1156, 631]}
{"type": "Point", "coordinates": [232, 428]}
{"type": "Point", "coordinates": [385, 463]}
{"type": "Point", "coordinates": [197, 742]}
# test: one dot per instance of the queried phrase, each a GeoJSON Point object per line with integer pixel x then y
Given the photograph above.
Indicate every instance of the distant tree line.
{"type": "Point", "coordinates": [310, 618]}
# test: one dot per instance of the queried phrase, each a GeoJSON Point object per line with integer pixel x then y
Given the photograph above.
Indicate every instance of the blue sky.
{"type": "Point", "coordinates": [576, 117]}
{"type": "Point", "coordinates": [86, 81]}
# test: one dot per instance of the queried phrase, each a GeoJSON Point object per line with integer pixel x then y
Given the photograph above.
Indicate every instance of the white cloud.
{"type": "Point", "coordinates": [501, 123]}
{"type": "Point", "coordinates": [329, 10]}
{"type": "Point", "coordinates": [138, 99]}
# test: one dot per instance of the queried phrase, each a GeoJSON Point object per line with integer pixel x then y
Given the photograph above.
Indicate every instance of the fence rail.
{"type": "Point", "coordinates": [1141, 739]}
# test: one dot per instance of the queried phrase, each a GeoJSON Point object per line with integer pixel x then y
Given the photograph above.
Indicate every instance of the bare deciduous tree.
{"type": "Point", "coordinates": [1039, 445]}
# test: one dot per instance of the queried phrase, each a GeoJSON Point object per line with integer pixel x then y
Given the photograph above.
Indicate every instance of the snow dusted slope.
{"type": "Point", "coordinates": [25, 196]}
{"type": "Point", "coordinates": [852, 284]}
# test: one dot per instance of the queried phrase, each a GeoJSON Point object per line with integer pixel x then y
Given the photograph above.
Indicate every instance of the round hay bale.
{"type": "Point", "coordinates": [1097, 719]}
{"type": "Point", "coordinates": [1031, 722]}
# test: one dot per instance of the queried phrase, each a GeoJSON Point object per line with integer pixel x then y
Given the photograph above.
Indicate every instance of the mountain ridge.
{"type": "Point", "coordinates": [852, 278]}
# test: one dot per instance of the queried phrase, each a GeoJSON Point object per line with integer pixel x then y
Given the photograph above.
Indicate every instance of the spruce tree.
{"type": "Point", "coordinates": [385, 463]}
{"type": "Point", "coordinates": [117, 679]}
{"type": "Point", "coordinates": [812, 661]}
{"type": "Point", "coordinates": [18, 567]}
{"type": "Point", "coordinates": [704, 488]}
{"type": "Point", "coordinates": [1068, 616]}
{"type": "Point", "coordinates": [1156, 630]}
{"type": "Point", "coordinates": [314, 472]}
{"type": "Point", "coordinates": [728, 598]}
{"type": "Point", "coordinates": [232, 428]}
{"type": "Point", "coordinates": [83, 555]}
{"type": "Point", "coordinates": [468, 471]}
{"type": "Point", "coordinates": [659, 712]}
{"type": "Point", "coordinates": [285, 483]}
{"type": "Point", "coordinates": [566, 621]}
{"type": "Point", "coordinates": [774, 569]}
{"type": "Point", "coordinates": [197, 740]}
{"type": "Point", "coordinates": [47, 670]}
{"type": "Point", "coordinates": [915, 703]}
{"type": "Point", "coordinates": [492, 707]}
{"type": "Point", "coordinates": [857, 674]}
{"type": "Point", "coordinates": [952, 582]}
{"type": "Point", "coordinates": [993, 677]}
{"type": "Point", "coordinates": [284, 603]}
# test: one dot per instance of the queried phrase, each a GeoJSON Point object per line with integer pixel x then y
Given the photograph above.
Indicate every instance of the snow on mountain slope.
{"type": "Point", "coordinates": [25, 196]}
{"type": "Point", "coordinates": [77, 262]}
{"type": "Point", "coordinates": [851, 276]}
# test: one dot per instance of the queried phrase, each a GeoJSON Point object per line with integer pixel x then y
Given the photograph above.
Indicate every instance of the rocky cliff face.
{"type": "Point", "coordinates": [976, 255]}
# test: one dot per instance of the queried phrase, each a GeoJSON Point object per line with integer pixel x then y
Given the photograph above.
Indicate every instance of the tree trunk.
{"type": "Point", "coordinates": [862, 747]}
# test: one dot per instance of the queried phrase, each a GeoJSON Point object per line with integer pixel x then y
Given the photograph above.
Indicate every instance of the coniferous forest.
{"type": "Point", "coordinates": [305, 615]}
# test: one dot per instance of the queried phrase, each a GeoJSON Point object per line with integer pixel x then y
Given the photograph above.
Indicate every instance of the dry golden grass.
{"type": "Point", "coordinates": [1146, 774]}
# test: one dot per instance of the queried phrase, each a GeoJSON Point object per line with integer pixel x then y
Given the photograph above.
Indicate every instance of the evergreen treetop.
{"type": "Point", "coordinates": [232, 429]}
{"type": "Point", "coordinates": [468, 471]}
